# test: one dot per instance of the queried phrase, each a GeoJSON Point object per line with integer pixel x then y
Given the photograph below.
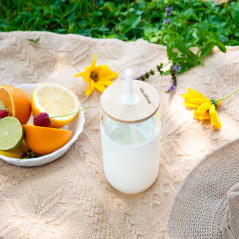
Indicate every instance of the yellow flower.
{"type": "Point", "coordinates": [97, 77]}
{"type": "Point", "coordinates": [214, 117]}
{"type": "Point", "coordinates": [204, 108]}
{"type": "Point", "coordinates": [194, 99]}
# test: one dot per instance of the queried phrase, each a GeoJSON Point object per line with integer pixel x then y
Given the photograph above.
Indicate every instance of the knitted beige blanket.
{"type": "Point", "coordinates": [70, 198]}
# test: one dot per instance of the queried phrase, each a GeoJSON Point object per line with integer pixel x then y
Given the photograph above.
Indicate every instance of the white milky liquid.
{"type": "Point", "coordinates": [130, 154]}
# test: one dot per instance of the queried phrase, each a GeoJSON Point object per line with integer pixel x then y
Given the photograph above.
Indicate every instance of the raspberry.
{"type": "Point", "coordinates": [3, 114]}
{"type": "Point", "coordinates": [42, 119]}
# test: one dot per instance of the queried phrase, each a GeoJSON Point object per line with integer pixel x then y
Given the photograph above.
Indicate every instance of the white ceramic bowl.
{"type": "Point", "coordinates": [76, 126]}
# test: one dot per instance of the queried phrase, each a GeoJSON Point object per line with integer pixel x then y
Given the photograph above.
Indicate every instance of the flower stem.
{"type": "Point", "coordinates": [166, 64]}
{"type": "Point", "coordinates": [70, 113]}
{"type": "Point", "coordinates": [228, 95]}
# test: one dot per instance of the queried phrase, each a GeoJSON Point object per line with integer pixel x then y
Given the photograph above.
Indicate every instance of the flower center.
{"type": "Point", "coordinates": [214, 102]}
{"type": "Point", "coordinates": [93, 76]}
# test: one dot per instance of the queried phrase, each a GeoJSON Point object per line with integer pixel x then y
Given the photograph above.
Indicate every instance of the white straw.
{"type": "Point", "coordinates": [128, 86]}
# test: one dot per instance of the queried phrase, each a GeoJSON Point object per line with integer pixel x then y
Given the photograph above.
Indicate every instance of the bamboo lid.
{"type": "Point", "coordinates": [143, 104]}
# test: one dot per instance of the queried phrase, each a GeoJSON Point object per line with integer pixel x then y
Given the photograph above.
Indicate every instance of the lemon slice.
{"type": "Point", "coordinates": [2, 106]}
{"type": "Point", "coordinates": [16, 152]}
{"type": "Point", "coordinates": [11, 133]}
{"type": "Point", "coordinates": [55, 100]}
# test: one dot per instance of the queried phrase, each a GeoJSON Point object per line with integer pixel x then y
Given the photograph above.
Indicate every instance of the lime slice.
{"type": "Point", "coordinates": [16, 152]}
{"type": "Point", "coordinates": [11, 133]}
{"type": "Point", "coordinates": [2, 106]}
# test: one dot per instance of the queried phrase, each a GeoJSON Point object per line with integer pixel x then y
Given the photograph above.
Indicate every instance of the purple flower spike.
{"type": "Point", "coordinates": [167, 15]}
{"type": "Point", "coordinates": [166, 21]}
{"type": "Point", "coordinates": [174, 71]}
{"type": "Point", "coordinates": [176, 68]}
{"type": "Point", "coordinates": [169, 9]}
{"type": "Point", "coordinates": [171, 88]}
{"type": "Point", "coordinates": [138, 77]}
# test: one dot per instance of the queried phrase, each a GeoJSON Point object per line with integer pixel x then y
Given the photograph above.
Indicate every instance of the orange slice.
{"type": "Point", "coordinates": [44, 140]}
{"type": "Point", "coordinates": [55, 100]}
{"type": "Point", "coordinates": [16, 102]}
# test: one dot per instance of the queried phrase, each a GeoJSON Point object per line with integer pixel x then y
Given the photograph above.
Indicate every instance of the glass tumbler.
{"type": "Point", "coordinates": [130, 135]}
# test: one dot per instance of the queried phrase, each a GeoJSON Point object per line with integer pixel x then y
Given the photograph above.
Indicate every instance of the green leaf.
{"type": "Point", "coordinates": [221, 46]}
{"type": "Point", "coordinates": [223, 38]}
{"type": "Point", "coordinates": [206, 49]}
{"type": "Point", "coordinates": [34, 40]}
{"type": "Point", "coordinates": [130, 23]}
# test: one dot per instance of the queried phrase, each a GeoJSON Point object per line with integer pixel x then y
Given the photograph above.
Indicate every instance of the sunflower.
{"type": "Point", "coordinates": [205, 108]}
{"type": "Point", "coordinates": [97, 77]}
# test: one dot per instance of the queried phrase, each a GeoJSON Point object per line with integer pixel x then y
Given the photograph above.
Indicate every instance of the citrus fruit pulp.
{"type": "Point", "coordinates": [16, 102]}
{"type": "Point", "coordinates": [45, 140]}
{"type": "Point", "coordinates": [2, 106]}
{"type": "Point", "coordinates": [55, 100]}
{"type": "Point", "coordinates": [11, 133]}
{"type": "Point", "coordinates": [16, 152]}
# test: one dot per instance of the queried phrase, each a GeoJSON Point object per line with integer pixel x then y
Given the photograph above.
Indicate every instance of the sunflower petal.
{"type": "Point", "coordinates": [93, 62]}
{"type": "Point", "coordinates": [187, 95]}
{"type": "Point", "coordinates": [199, 116]}
{"type": "Point", "coordinates": [79, 74]}
{"type": "Point", "coordinates": [109, 77]}
{"type": "Point", "coordinates": [92, 83]}
{"type": "Point", "coordinates": [204, 107]}
{"type": "Point", "coordinates": [99, 87]}
{"type": "Point", "coordinates": [218, 122]}
{"type": "Point", "coordinates": [107, 83]}
{"type": "Point", "coordinates": [85, 75]}
{"type": "Point", "coordinates": [193, 99]}
{"type": "Point", "coordinates": [196, 93]}
{"type": "Point", "coordinates": [195, 106]}
{"type": "Point", "coordinates": [212, 113]}
{"type": "Point", "coordinates": [105, 73]}
{"type": "Point", "coordinates": [215, 121]}
{"type": "Point", "coordinates": [89, 90]}
{"type": "Point", "coordinates": [197, 100]}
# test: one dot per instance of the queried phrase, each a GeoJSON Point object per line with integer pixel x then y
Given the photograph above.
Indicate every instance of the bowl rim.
{"type": "Point", "coordinates": [78, 131]}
